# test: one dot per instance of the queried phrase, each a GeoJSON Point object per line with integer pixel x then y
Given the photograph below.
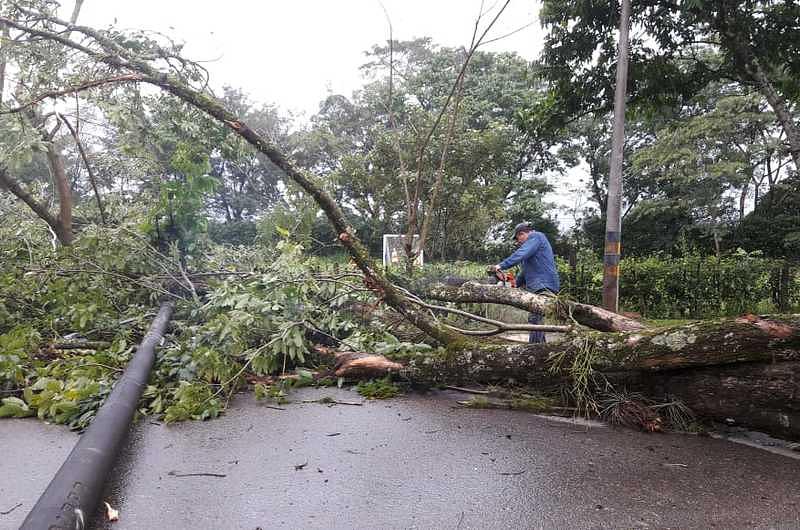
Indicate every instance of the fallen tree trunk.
{"type": "Point", "coordinates": [465, 291]}
{"type": "Point", "coordinates": [746, 369]}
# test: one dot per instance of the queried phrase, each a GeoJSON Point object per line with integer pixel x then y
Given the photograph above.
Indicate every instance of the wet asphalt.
{"type": "Point", "coordinates": [411, 462]}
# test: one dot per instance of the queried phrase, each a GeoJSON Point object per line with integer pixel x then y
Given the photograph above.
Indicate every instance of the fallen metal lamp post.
{"type": "Point", "coordinates": [72, 497]}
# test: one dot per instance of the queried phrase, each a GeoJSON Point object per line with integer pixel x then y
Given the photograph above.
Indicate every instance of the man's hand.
{"type": "Point", "coordinates": [491, 269]}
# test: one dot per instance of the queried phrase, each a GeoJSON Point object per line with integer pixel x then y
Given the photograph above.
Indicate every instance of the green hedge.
{"type": "Point", "coordinates": [691, 286]}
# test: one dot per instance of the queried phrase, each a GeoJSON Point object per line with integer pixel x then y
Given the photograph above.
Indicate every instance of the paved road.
{"type": "Point", "coordinates": [30, 454]}
{"type": "Point", "coordinates": [413, 462]}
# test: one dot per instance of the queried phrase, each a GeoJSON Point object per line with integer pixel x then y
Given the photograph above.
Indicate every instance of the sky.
{"type": "Point", "coordinates": [293, 53]}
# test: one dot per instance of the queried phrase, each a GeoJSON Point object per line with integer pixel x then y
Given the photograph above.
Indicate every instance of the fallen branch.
{"type": "Point", "coordinates": [466, 390]}
{"type": "Point", "coordinates": [358, 365]}
{"type": "Point", "coordinates": [6, 512]}
{"type": "Point", "coordinates": [465, 291]}
{"type": "Point", "coordinates": [85, 159]}
{"type": "Point", "coordinates": [127, 78]}
{"type": "Point", "coordinates": [80, 345]}
{"type": "Point", "coordinates": [500, 327]}
{"type": "Point", "coordinates": [141, 282]}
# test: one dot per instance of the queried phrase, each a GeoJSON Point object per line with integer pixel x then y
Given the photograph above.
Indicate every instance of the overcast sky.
{"type": "Point", "coordinates": [292, 53]}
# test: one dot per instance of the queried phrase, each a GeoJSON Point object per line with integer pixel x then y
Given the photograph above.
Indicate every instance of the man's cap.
{"type": "Point", "coordinates": [522, 227]}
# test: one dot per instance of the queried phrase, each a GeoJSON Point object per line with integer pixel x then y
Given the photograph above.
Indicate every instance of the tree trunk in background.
{"type": "Point", "coordinates": [4, 35]}
{"type": "Point", "coordinates": [76, 11]}
{"type": "Point", "coordinates": [779, 106]}
{"type": "Point", "coordinates": [751, 69]}
{"type": "Point", "coordinates": [63, 228]}
{"type": "Point", "coordinates": [63, 233]}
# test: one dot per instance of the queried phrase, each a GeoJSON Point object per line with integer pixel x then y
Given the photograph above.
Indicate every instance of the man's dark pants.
{"type": "Point", "coordinates": [537, 318]}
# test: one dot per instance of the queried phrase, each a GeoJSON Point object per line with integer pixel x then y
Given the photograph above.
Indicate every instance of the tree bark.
{"type": "Point", "coordinates": [63, 231]}
{"type": "Point", "coordinates": [63, 228]}
{"type": "Point", "coordinates": [757, 395]}
{"type": "Point", "coordinates": [4, 36]}
{"type": "Point", "coordinates": [19, 192]}
{"type": "Point", "coordinates": [746, 369]}
{"type": "Point", "coordinates": [778, 104]}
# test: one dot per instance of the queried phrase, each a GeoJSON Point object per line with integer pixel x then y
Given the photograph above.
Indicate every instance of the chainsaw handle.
{"type": "Point", "coordinates": [497, 274]}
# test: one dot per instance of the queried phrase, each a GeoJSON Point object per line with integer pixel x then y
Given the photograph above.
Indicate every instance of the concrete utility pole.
{"type": "Point", "coordinates": [613, 245]}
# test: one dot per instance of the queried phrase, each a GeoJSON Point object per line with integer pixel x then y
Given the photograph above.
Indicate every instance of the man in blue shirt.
{"type": "Point", "coordinates": [539, 273]}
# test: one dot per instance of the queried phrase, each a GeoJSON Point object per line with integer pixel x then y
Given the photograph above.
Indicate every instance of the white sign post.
{"type": "Point", "coordinates": [394, 250]}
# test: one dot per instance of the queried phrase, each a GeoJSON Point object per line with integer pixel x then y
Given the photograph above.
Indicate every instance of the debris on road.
{"type": "Point", "coordinates": [111, 513]}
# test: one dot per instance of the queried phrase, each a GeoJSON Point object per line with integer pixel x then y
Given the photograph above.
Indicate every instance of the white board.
{"type": "Point", "coordinates": [394, 250]}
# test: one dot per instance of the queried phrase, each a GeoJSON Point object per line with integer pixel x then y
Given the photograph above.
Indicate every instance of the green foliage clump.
{"type": "Point", "coordinates": [15, 358]}
{"type": "Point", "coordinates": [192, 401]}
{"type": "Point", "coordinates": [258, 320]}
{"type": "Point", "coordinates": [478, 402]}
{"type": "Point", "coordinates": [86, 292]}
{"type": "Point", "coordinates": [14, 407]}
{"type": "Point", "coordinates": [532, 404]}
{"type": "Point", "coordinates": [378, 388]}
{"type": "Point", "coordinates": [528, 403]}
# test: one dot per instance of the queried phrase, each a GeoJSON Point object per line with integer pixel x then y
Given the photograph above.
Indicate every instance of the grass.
{"type": "Point", "coordinates": [677, 415]}
{"type": "Point", "coordinates": [666, 322]}
{"type": "Point", "coordinates": [582, 376]}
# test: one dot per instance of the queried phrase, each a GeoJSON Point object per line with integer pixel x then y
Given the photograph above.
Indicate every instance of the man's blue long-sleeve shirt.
{"type": "Point", "coordinates": [538, 265]}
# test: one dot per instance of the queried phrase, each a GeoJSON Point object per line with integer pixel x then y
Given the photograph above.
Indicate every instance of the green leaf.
{"type": "Point", "coordinates": [13, 407]}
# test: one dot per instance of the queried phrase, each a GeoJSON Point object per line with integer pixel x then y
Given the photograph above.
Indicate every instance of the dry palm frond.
{"type": "Point", "coordinates": [630, 409]}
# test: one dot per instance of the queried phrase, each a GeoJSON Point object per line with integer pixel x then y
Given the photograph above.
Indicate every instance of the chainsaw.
{"type": "Point", "coordinates": [503, 278]}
